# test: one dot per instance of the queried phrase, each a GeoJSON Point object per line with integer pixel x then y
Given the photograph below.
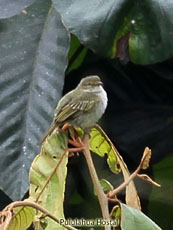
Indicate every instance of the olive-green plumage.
{"type": "Point", "coordinates": [81, 107]}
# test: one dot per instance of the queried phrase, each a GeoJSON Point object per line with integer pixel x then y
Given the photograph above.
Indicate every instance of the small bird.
{"type": "Point", "coordinates": [81, 107]}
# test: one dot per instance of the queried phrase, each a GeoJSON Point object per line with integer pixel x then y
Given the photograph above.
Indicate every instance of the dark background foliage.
{"type": "Point", "coordinates": [139, 114]}
{"type": "Point", "coordinates": [33, 58]}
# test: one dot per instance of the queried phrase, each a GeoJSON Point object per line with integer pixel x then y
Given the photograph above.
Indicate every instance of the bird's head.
{"type": "Point", "coordinates": [90, 83]}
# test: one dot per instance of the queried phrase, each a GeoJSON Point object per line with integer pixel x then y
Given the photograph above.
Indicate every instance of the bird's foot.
{"type": "Point", "coordinates": [76, 142]}
{"type": "Point", "coordinates": [76, 150]}
{"type": "Point", "coordinates": [74, 139]}
{"type": "Point", "coordinates": [65, 126]}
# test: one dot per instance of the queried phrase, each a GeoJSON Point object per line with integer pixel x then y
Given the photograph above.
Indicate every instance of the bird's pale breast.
{"type": "Point", "coordinates": [87, 119]}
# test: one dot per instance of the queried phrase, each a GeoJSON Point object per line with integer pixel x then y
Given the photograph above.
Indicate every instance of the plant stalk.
{"type": "Point", "coordinates": [99, 191]}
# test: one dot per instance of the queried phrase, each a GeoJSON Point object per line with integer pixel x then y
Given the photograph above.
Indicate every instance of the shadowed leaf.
{"type": "Point", "coordinates": [77, 54]}
{"type": "Point", "coordinates": [147, 27]}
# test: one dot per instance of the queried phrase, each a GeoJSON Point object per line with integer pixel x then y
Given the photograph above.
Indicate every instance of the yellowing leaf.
{"type": "Point", "coordinates": [47, 178]}
{"type": "Point", "coordinates": [116, 215]}
{"type": "Point", "coordinates": [148, 179]}
{"type": "Point", "coordinates": [100, 146]}
{"type": "Point", "coordinates": [23, 217]}
{"type": "Point", "coordinates": [16, 218]}
{"type": "Point", "coordinates": [100, 142]}
{"type": "Point", "coordinates": [106, 185]}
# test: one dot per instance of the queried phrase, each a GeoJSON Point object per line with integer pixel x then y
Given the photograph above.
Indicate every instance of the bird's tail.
{"type": "Point", "coordinates": [49, 132]}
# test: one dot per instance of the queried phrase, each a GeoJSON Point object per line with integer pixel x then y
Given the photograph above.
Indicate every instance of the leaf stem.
{"type": "Point", "coordinates": [144, 163]}
{"type": "Point", "coordinates": [101, 196]}
{"type": "Point", "coordinates": [113, 193]}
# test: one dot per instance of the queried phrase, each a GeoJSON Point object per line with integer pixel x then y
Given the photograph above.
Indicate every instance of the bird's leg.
{"type": "Point", "coordinates": [73, 132]}
{"type": "Point", "coordinates": [78, 147]}
{"type": "Point", "coordinates": [79, 140]}
{"type": "Point", "coordinates": [75, 143]}
{"type": "Point", "coordinates": [75, 150]}
{"type": "Point", "coordinates": [74, 139]}
{"type": "Point", "coordinates": [65, 126]}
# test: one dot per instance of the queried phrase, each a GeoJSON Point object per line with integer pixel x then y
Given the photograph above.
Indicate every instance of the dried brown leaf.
{"type": "Point", "coordinates": [148, 179]}
{"type": "Point", "coordinates": [145, 158]}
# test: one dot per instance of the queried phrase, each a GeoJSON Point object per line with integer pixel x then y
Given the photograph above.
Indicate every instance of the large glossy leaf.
{"type": "Point", "coordinates": [9, 8]}
{"type": "Point", "coordinates": [116, 28]}
{"type": "Point", "coordinates": [133, 219]}
{"type": "Point", "coordinates": [33, 59]}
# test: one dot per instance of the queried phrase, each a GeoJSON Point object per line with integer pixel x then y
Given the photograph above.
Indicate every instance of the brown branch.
{"type": "Point", "coordinates": [144, 163]}
{"type": "Point", "coordinates": [113, 193]}
{"type": "Point", "coordinates": [101, 196]}
{"type": "Point", "coordinates": [38, 207]}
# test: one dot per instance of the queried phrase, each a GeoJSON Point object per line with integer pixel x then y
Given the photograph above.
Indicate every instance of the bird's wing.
{"type": "Point", "coordinates": [83, 103]}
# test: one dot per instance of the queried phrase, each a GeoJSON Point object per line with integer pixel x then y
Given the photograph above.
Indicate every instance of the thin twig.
{"type": "Point", "coordinates": [113, 193]}
{"type": "Point", "coordinates": [51, 175]}
{"type": "Point", "coordinates": [101, 196]}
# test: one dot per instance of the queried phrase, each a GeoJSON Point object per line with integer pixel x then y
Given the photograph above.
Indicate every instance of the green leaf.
{"type": "Point", "coordinates": [133, 219]}
{"type": "Point", "coordinates": [145, 26]}
{"type": "Point", "coordinates": [47, 177]}
{"type": "Point", "coordinates": [161, 199]}
{"type": "Point", "coordinates": [116, 215]}
{"type": "Point", "coordinates": [106, 185]}
{"type": "Point", "coordinates": [9, 8]}
{"type": "Point", "coordinates": [100, 146]}
{"type": "Point", "coordinates": [33, 60]}
{"type": "Point", "coordinates": [99, 143]}
{"type": "Point", "coordinates": [77, 54]}
{"type": "Point", "coordinates": [23, 217]}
